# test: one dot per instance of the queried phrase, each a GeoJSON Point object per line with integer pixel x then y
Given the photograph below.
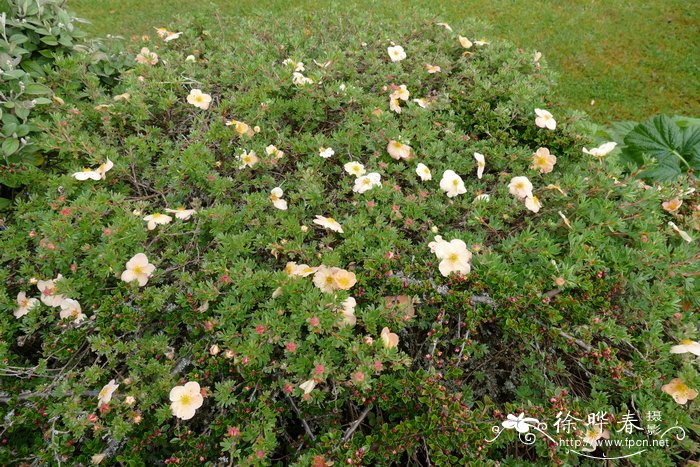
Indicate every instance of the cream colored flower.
{"type": "Point", "coordinates": [683, 234]}
{"type": "Point", "coordinates": [325, 152]}
{"type": "Point", "coordinates": [328, 223]}
{"type": "Point", "coordinates": [480, 164]}
{"type": "Point", "coordinates": [401, 93]}
{"type": "Point", "coordinates": [276, 198]}
{"type": "Point", "coordinates": [399, 150]}
{"type": "Point", "coordinates": [481, 42]}
{"type": "Point", "coordinates": [543, 161]}
{"type": "Point", "coordinates": [171, 36]}
{"type": "Point", "coordinates": [520, 187]}
{"type": "Point", "coordinates": [24, 304]}
{"type": "Point", "coordinates": [464, 42]}
{"type": "Point", "coordinates": [303, 270]}
{"type": "Point", "coordinates": [348, 312]}
{"type": "Point", "coordinates": [672, 205]}
{"type": "Point", "coordinates": [247, 159]}
{"type": "Point", "coordinates": [591, 437]}
{"type": "Point", "coordinates": [453, 255]}
{"type": "Point", "coordinates": [122, 97]}
{"type": "Point", "coordinates": [329, 280]}
{"type": "Point", "coordinates": [190, 58]}
{"type": "Point", "coordinates": [272, 150]}
{"type": "Point", "coordinates": [104, 168]}
{"type": "Point", "coordinates": [138, 269]}
{"type": "Point", "coordinates": [532, 202]}
{"type": "Point", "coordinates": [396, 53]}
{"type": "Point", "coordinates": [49, 293]}
{"type": "Point", "coordinates": [182, 213]}
{"type": "Point", "coordinates": [483, 197]}
{"type": "Point", "coordinates": [394, 105]}
{"type": "Point", "coordinates": [432, 68]}
{"type": "Point", "coordinates": [536, 57]}
{"type": "Point", "coordinates": [389, 339]}
{"type": "Point", "coordinates": [71, 309]}
{"type": "Point", "coordinates": [367, 182]}
{"type": "Point", "coordinates": [198, 99]}
{"type": "Point", "coordinates": [344, 280]}
{"type": "Point", "coordinates": [680, 392]}
{"type": "Point", "coordinates": [301, 80]}
{"type": "Point", "coordinates": [686, 346]}
{"type": "Point", "coordinates": [297, 66]}
{"type": "Point", "coordinates": [185, 400]}
{"type": "Point", "coordinates": [434, 244]}
{"type": "Point", "coordinates": [242, 128]}
{"type": "Point", "coordinates": [157, 219]}
{"type": "Point", "coordinates": [452, 184]}
{"type": "Point", "coordinates": [422, 103]}
{"type": "Point", "coordinates": [105, 394]}
{"type": "Point", "coordinates": [445, 25]}
{"type": "Point", "coordinates": [545, 119]}
{"type": "Point", "coordinates": [601, 151]}
{"type": "Point", "coordinates": [323, 279]}
{"type": "Point", "coordinates": [355, 168]}
{"type": "Point", "coordinates": [87, 174]}
{"type": "Point", "coordinates": [423, 172]}
{"type": "Point", "coordinates": [308, 386]}
{"type": "Point", "coordinates": [146, 57]}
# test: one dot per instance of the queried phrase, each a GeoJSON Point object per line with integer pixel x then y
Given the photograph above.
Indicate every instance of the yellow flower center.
{"type": "Point", "coordinates": [687, 342]}
{"type": "Point", "coordinates": [455, 182]}
{"type": "Point", "coordinates": [343, 281]}
{"type": "Point", "coordinates": [367, 181]}
{"type": "Point", "coordinates": [453, 257]}
{"type": "Point", "coordinates": [520, 186]}
{"type": "Point", "coordinates": [24, 303]}
{"type": "Point", "coordinates": [186, 399]}
{"type": "Point", "coordinates": [199, 99]}
{"type": "Point", "coordinates": [329, 280]}
{"type": "Point", "coordinates": [137, 269]}
{"type": "Point", "coordinates": [330, 220]}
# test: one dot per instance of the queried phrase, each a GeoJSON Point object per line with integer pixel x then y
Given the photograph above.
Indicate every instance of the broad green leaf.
{"type": "Point", "coordinates": [675, 150]}
{"type": "Point", "coordinates": [5, 204]}
{"type": "Point", "coordinates": [9, 146]}
{"type": "Point", "coordinates": [37, 89]}
{"type": "Point", "coordinates": [49, 40]}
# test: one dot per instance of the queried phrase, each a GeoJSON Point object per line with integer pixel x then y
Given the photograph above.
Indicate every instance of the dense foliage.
{"type": "Point", "coordinates": [569, 309]}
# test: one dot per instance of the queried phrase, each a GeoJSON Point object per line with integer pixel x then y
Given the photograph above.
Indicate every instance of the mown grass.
{"type": "Point", "coordinates": [617, 59]}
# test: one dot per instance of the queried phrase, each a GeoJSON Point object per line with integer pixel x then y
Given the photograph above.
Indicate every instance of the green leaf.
{"type": "Point", "coordinates": [5, 204]}
{"type": "Point", "coordinates": [14, 74]}
{"type": "Point", "coordinates": [18, 38]}
{"type": "Point", "coordinates": [49, 40]}
{"type": "Point", "coordinates": [10, 146]}
{"type": "Point", "coordinates": [37, 89]}
{"type": "Point", "coordinates": [675, 150]}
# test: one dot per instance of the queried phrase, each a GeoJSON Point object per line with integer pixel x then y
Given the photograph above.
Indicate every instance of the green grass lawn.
{"type": "Point", "coordinates": [617, 59]}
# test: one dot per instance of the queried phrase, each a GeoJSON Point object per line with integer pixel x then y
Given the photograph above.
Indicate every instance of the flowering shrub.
{"type": "Point", "coordinates": [322, 240]}
{"type": "Point", "coordinates": [34, 34]}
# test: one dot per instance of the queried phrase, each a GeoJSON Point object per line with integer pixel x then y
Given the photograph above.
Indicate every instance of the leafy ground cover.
{"type": "Point", "coordinates": [633, 59]}
{"type": "Point", "coordinates": [316, 239]}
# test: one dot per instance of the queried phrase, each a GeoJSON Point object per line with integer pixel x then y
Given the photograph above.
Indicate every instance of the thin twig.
{"type": "Point", "coordinates": [354, 425]}
{"type": "Point", "coordinates": [303, 421]}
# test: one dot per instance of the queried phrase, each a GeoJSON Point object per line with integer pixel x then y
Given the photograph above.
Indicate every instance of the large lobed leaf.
{"type": "Point", "coordinates": [675, 149]}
